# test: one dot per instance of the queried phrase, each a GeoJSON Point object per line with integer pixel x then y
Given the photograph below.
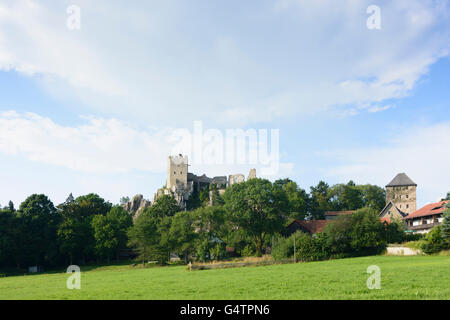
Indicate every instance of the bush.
{"type": "Point", "coordinates": [218, 252]}
{"type": "Point", "coordinates": [313, 248]}
{"type": "Point", "coordinates": [248, 251]}
{"type": "Point", "coordinates": [418, 244]}
{"type": "Point", "coordinates": [357, 235]}
{"type": "Point", "coordinates": [414, 237]}
{"type": "Point", "coordinates": [307, 248]}
{"type": "Point", "coordinates": [434, 242]}
{"type": "Point", "coordinates": [283, 248]}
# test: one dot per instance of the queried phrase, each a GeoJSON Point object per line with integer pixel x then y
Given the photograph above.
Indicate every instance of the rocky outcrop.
{"type": "Point", "coordinates": [137, 205]}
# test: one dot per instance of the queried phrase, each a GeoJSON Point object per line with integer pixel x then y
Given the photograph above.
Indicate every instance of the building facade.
{"type": "Point", "coordinates": [427, 217]}
{"type": "Point", "coordinates": [400, 198]}
{"type": "Point", "coordinates": [402, 192]}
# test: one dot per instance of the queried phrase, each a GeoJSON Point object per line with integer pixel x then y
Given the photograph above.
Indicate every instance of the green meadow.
{"type": "Point", "coordinates": [418, 277]}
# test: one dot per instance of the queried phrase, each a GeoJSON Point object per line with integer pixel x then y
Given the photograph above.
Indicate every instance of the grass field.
{"type": "Point", "coordinates": [419, 277]}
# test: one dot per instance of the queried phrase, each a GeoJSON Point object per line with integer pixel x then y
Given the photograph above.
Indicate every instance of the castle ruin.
{"type": "Point", "coordinates": [181, 183]}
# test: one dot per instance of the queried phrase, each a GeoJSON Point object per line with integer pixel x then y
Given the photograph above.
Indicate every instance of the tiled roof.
{"type": "Point", "coordinates": [339, 213]}
{"type": "Point", "coordinates": [401, 180]}
{"type": "Point", "coordinates": [386, 220]}
{"type": "Point", "coordinates": [313, 226]}
{"type": "Point", "coordinates": [429, 210]}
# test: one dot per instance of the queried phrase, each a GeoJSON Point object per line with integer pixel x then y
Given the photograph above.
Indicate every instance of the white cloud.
{"type": "Point", "coordinates": [423, 152]}
{"type": "Point", "coordinates": [98, 146]}
{"type": "Point", "coordinates": [375, 109]}
{"type": "Point", "coordinates": [173, 62]}
{"type": "Point", "coordinates": [111, 146]}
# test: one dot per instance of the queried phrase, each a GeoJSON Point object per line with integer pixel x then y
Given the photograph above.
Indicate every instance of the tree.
{"type": "Point", "coordinates": [447, 197]}
{"type": "Point", "coordinates": [446, 224]}
{"type": "Point", "coordinates": [11, 206]}
{"type": "Point", "coordinates": [367, 232]}
{"type": "Point", "coordinates": [350, 197]}
{"type": "Point", "coordinates": [150, 235]}
{"type": "Point", "coordinates": [75, 234]}
{"type": "Point", "coordinates": [40, 220]}
{"type": "Point", "coordinates": [362, 233]}
{"type": "Point", "coordinates": [165, 205]}
{"type": "Point", "coordinates": [320, 201]}
{"type": "Point", "coordinates": [182, 233]}
{"type": "Point", "coordinates": [395, 231]}
{"type": "Point", "coordinates": [105, 235]}
{"type": "Point", "coordinates": [258, 208]}
{"type": "Point", "coordinates": [297, 197]}
{"type": "Point", "coordinates": [124, 200]}
{"type": "Point", "coordinates": [434, 241]}
{"type": "Point", "coordinates": [373, 196]}
{"type": "Point", "coordinates": [216, 198]}
{"type": "Point", "coordinates": [9, 238]}
{"type": "Point", "coordinates": [142, 236]}
{"type": "Point", "coordinates": [110, 232]}
{"type": "Point", "coordinates": [146, 236]}
{"type": "Point", "coordinates": [123, 222]}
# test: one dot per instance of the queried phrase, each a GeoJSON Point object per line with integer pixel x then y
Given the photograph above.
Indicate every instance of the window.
{"type": "Point", "coordinates": [407, 206]}
{"type": "Point", "coordinates": [407, 196]}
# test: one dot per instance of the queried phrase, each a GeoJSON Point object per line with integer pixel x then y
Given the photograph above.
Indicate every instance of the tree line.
{"type": "Point", "coordinates": [244, 221]}
{"type": "Point", "coordinates": [80, 230]}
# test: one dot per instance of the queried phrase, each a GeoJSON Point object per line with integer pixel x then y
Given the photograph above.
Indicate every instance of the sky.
{"type": "Point", "coordinates": [95, 109]}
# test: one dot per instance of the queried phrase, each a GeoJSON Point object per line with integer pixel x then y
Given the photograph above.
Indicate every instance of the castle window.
{"type": "Point", "coordinates": [407, 206]}
{"type": "Point", "coordinates": [407, 196]}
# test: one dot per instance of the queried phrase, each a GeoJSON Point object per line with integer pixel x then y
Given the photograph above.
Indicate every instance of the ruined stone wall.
{"type": "Point", "coordinates": [177, 171]}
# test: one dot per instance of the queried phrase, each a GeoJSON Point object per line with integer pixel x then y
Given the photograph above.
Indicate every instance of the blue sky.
{"type": "Point", "coordinates": [92, 110]}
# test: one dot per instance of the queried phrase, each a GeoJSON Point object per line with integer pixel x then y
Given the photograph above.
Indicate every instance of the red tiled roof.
{"type": "Point", "coordinates": [429, 210]}
{"type": "Point", "coordinates": [339, 213]}
{"type": "Point", "coordinates": [313, 226]}
{"type": "Point", "coordinates": [386, 220]}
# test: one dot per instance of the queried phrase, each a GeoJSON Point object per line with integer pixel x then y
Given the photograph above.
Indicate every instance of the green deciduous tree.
{"type": "Point", "coordinates": [320, 200]}
{"type": "Point", "coordinates": [75, 234]}
{"type": "Point", "coordinates": [258, 208]}
{"type": "Point", "coordinates": [446, 225]}
{"type": "Point", "coordinates": [39, 220]}
{"type": "Point", "coordinates": [373, 196]}
{"type": "Point", "coordinates": [110, 232]}
{"type": "Point", "coordinates": [298, 199]}
{"type": "Point", "coordinates": [150, 235]}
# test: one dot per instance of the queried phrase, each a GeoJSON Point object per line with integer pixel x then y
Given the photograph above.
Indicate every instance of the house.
{"type": "Point", "coordinates": [400, 198]}
{"type": "Point", "coordinates": [390, 212]}
{"type": "Point", "coordinates": [332, 215]}
{"type": "Point", "coordinates": [427, 217]}
{"type": "Point", "coordinates": [310, 227]}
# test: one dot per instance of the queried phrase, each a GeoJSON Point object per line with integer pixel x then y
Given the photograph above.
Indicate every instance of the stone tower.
{"type": "Point", "coordinates": [177, 171]}
{"type": "Point", "coordinates": [402, 192]}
